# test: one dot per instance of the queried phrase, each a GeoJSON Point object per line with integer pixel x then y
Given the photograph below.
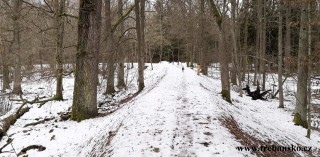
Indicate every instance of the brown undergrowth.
{"type": "Point", "coordinates": [250, 141]}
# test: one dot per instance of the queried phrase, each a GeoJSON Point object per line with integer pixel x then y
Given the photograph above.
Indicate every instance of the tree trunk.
{"type": "Point", "coordinates": [257, 55]}
{"type": "Point", "coordinates": [151, 57]}
{"type": "Point", "coordinates": [121, 82]}
{"type": "Point", "coordinates": [17, 4]}
{"type": "Point", "coordinates": [5, 79]}
{"type": "Point", "coordinates": [288, 39]}
{"type": "Point", "coordinates": [222, 54]}
{"type": "Point", "coordinates": [300, 116]}
{"type": "Point", "coordinates": [41, 51]}
{"type": "Point", "coordinates": [139, 10]}
{"type": "Point", "coordinates": [245, 44]}
{"type": "Point", "coordinates": [236, 61]}
{"type": "Point", "coordinates": [59, 24]}
{"type": "Point", "coordinates": [161, 32]}
{"type": "Point", "coordinates": [143, 46]}
{"type": "Point", "coordinates": [281, 105]}
{"type": "Point", "coordinates": [203, 40]}
{"type": "Point", "coordinates": [5, 70]}
{"type": "Point", "coordinates": [263, 43]}
{"type": "Point", "coordinates": [309, 72]}
{"type": "Point", "coordinates": [85, 87]}
{"type": "Point", "coordinates": [110, 49]}
{"type": "Point", "coordinates": [224, 72]}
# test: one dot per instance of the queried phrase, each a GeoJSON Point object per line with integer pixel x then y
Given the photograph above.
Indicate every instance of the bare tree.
{"type": "Point", "coordinates": [3, 52]}
{"type": "Point", "coordinates": [59, 6]}
{"type": "Point", "coordinates": [110, 48]}
{"type": "Point", "coordinates": [85, 87]}
{"type": "Point", "coordinates": [288, 38]}
{"type": "Point", "coordinates": [121, 82]}
{"type": "Point", "coordinates": [234, 34]}
{"type": "Point", "coordinates": [300, 113]}
{"type": "Point", "coordinates": [17, 4]}
{"type": "Point", "coordinates": [246, 63]}
{"type": "Point", "coordinates": [281, 105]}
{"type": "Point", "coordinates": [222, 55]}
{"type": "Point", "coordinates": [139, 10]}
{"type": "Point", "coordinates": [203, 39]}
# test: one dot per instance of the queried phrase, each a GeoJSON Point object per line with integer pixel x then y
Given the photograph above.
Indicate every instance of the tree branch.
{"type": "Point", "coordinates": [215, 12]}
{"type": "Point", "coordinates": [39, 8]}
{"type": "Point", "coordinates": [121, 19]}
{"type": "Point", "coordinates": [69, 15]}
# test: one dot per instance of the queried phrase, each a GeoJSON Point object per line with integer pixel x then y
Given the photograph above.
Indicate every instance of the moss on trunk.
{"type": "Point", "coordinates": [110, 90]}
{"type": "Point", "coordinates": [226, 95]}
{"type": "Point", "coordinates": [81, 115]}
{"type": "Point", "coordinates": [298, 121]}
{"type": "Point", "coordinates": [10, 120]}
{"type": "Point", "coordinates": [141, 86]}
{"type": "Point", "coordinates": [84, 103]}
{"type": "Point", "coordinates": [58, 97]}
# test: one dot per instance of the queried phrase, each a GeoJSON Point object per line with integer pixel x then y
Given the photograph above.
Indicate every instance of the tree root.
{"type": "Point", "coordinates": [39, 147]}
{"type": "Point", "coordinates": [39, 122]}
{"type": "Point", "coordinates": [65, 116]}
{"type": "Point", "coordinates": [4, 146]}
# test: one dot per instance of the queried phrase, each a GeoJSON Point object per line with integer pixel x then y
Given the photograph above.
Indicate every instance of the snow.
{"type": "Point", "coordinates": [177, 114]}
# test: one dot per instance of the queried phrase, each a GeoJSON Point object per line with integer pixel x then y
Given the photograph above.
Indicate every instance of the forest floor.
{"type": "Point", "coordinates": [177, 114]}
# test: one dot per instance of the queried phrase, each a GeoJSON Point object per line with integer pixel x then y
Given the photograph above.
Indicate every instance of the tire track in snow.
{"type": "Point", "coordinates": [101, 148]}
{"type": "Point", "coordinates": [183, 133]}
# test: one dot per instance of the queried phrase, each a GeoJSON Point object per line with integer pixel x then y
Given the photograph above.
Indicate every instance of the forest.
{"type": "Point", "coordinates": [159, 77]}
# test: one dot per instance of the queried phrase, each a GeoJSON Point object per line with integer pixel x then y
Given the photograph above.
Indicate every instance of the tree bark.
{"type": "Point", "coordinates": [110, 49]}
{"type": "Point", "coordinates": [203, 40]}
{"type": "Point", "coordinates": [288, 39]}
{"type": "Point", "coordinates": [5, 70]}
{"type": "Point", "coordinates": [309, 72]}
{"type": "Point", "coordinates": [245, 44]}
{"type": "Point", "coordinates": [281, 105]}
{"type": "Point", "coordinates": [161, 30]}
{"type": "Point", "coordinates": [139, 10]}
{"type": "Point", "coordinates": [264, 31]}
{"type": "Point", "coordinates": [17, 5]}
{"type": "Point", "coordinates": [262, 10]}
{"type": "Point", "coordinates": [10, 120]}
{"type": "Point", "coordinates": [222, 54]}
{"type": "Point", "coordinates": [59, 25]}
{"type": "Point", "coordinates": [300, 116]}
{"type": "Point", "coordinates": [236, 61]}
{"type": "Point", "coordinates": [85, 87]}
{"type": "Point", "coordinates": [121, 82]}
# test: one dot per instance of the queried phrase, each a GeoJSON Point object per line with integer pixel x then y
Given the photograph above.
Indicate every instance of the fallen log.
{"type": "Point", "coordinates": [11, 119]}
{"type": "Point", "coordinates": [39, 147]}
{"type": "Point", "coordinates": [256, 94]}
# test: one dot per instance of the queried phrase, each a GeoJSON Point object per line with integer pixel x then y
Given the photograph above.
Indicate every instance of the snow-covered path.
{"type": "Point", "coordinates": [178, 114]}
{"type": "Point", "coordinates": [176, 118]}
